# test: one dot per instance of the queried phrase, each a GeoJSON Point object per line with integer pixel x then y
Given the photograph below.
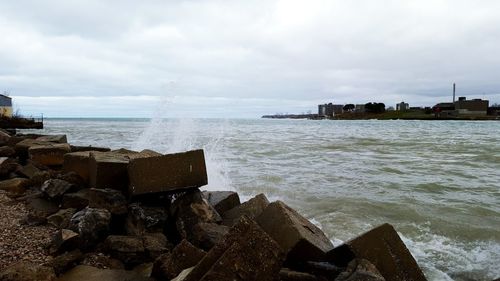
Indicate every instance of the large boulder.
{"type": "Point", "coordinates": [252, 209]}
{"type": "Point", "coordinates": [297, 236]}
{"type": "Point", "coordinates": [50, 154]}
{"type": "Point", "coordinates": [38, 210]}
{"type": "Point", "coordinates": [77, 200]}
{"type": "Point", "coordinates": [246, 253]}
{"type": "Point", "coordinates": [383, 247]}
{"type": "Point", "coordinates": [142, 219]}
{"type": "Point", "coordinates": [29, 170]}
{"type": "Point", "coordinates": [222, 201]}
{"type": "Point", "coordinates": [91, 224]}
{"type": "Point", "coordinates": [90, 273]}
{"type": "Point", "coordinates": [110, 199]}
{"type": "Point", "coordinates": [27, 271]}
{"type": "Point", "coordinates": [183, 256]}
{"type": "Point", "coordinates": [56, 188]}
{"type": "Point", "coordinates": [167, 172]}
{"type": "Point", "coordinates": [190, 209]}
{"type": "Point", "coordinates": [7, 166]}
{"type": "Point", "coordinates": [15, 186]}
{"type": "Point", "coordinates": [53, 138]}
{"type": "Point", "coordinates": [23, 146]}
{"type": "Point", "coordinates": [128, 249]}
{"type": "Point", "coordinates": [360, 270]}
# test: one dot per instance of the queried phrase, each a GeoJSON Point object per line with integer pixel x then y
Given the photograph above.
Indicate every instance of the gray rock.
{"type": "Point", "coordinates": [252, 208]}
{"type": "Point", "coordinates": [38, 210]}
{"type": "Point", "coordinates": [91, 224]}
{"type": "Point", "coordinates": [206, 235]}
{"type": "Point", "coordinates": [56, 188]}
{"type": "Point", "coordinates": [222, 201]}
{"type": "Point", "coordinates": [77, 200]}
{"type": "Point", "coordinates": [110, 199]}
{"type": "Point", "coordinates": [142, 219]}
{"type": "Point", "coordinates": [128, 249]}
{"type": "Point", "coordinates": [183, 256]}
{"type": "Point", "coordinates": [61, 219]}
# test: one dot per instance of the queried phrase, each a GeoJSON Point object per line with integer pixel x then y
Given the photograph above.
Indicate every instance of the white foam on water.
{"type": "Point", "coordinates": [461, 260]}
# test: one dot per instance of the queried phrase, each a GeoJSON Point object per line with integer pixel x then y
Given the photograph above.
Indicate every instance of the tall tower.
{"type": "Point", "coordinates": [454, 92]}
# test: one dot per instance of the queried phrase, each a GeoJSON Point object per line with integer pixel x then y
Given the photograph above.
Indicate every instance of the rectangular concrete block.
{"type": "Point", "coordinates": [167, 172]}
{"type": "Point", "coordinates": [383, 247]}
{"type": "Point", "coordinates": [77, 162]}
{"type": "Point", "coordinates": [108, 170]}
{"type": "Point", "coordinates": [51, 154]}
{"type": "Point", "coordinates": [297, 236]}
{"type": "Point", "coordinates": [251, 208]}
{"type": "Point", "coordinates": [22, 147]}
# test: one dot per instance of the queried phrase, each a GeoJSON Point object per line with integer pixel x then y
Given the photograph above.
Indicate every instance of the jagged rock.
{"type": "Point", "coordinates": [361, 270]}
{"type": "Point", "coordinates": [108, 170]}
{"type": "Point", "coordinates": [29, 170]}
{"type": "Point", "coordinates": [206, 235]}
{"type": "Point", "coordinates": [141, 219]}
{"type": "Point", "coordinates": [299, 238]}
{"type": "Point", "coordinates": [15, 186]}
{"type": "Point", "coordinates": [167, 172]}
{"type": "Point", "coordinates": [64, 240]}
{"type": "Point", "coordinates": [65, 261]}
{"type": "Point", "coordinates": [246, 253]}
{"type": "Point", "coordinates": [252, 208]}
{"type": "Point", "coordinates": [222, 201]}
{"type": "Point", "coordinates": [55, 188]}
{"type": "Point", "coordinates": [61, 219]}
{"type": "Point", "coordinates": [77, 200]}
{"type": "Point", "coordinates": [383, 247]}
{"type": "Point", "coordinates": [27, 271]}
{"type": "Point", "coordinates": [155, 244]}
{"type": "Point", "coordinates": [287, 274]}
{"type": "Point", "coordinates": [50, 154]}
{"type": "Point", "coordinates": [110, 199]}
{"type": "Point", "coordinates": [38, 210]}
{"type": "Point", "coordinates": [183, 256]}
{"type": "Point", "coordinates": [7, 151]}
{"type": "Point", "coordinates": [77, 162]}
{"type": "Point", "coordinates": [128, 249]}
{"type": "Point", "coordinates": [53, 138]}
{"type": "Point", "coordinates": [91, 224]}
{"type": "Point", "coordinates": [89, 273]}
{"type": "Point", "coordinates": [76, 148]}
{"type": "Point", "coordinates": [191, 209]}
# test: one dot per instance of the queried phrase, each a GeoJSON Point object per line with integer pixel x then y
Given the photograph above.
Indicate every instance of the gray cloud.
{"type": "Point", "coordinates": [253, 53]}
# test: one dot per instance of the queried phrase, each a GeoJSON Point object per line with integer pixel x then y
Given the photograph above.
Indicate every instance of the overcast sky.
{"type": "Point", "coordinates": [243, 58]}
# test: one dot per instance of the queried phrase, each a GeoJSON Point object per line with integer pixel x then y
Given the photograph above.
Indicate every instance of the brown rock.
{"type": "Point", "coordinates": [61, 219]}
{"type": "Point", "coordinates": [56, 188]}
{"type": "Point", "coordinates": [29, 170]}
{"type": "Point", "coordinates": [128, 249]}
{"type": "Point", "coordinates": [183, 256]}
{"type": "Point", "coordinates": [49, 154]}
{"type": "Point", "coordinates": [27, 271]}
{"type": "Point", "coordinates": [4, 137]}
{"type": "Point", "coordinates": [299, 238]}
{"type": "Point", "coordinates": [77, 162]}
{"type": "Point", "coordinates": [167, 172]}
{"type": "Point", "coordinates": [222, 201]}
{"type": "Point", "coordinates": [360, 270]}
{"type": "Point", "coordinates": [53, 138]}
{"type": "Point", "coordinates": [207, 235]}
{"type": "Point", "coordinates": [7, 151]}
{"type": "Point", "coordinates": [65, 261]}
{"type": "Point", "coordinates": [252, 208]}
{"type": "Point", "coordinates": [102, 261]}
{"type": "Point", "coordinates": [155, 244]}
{"type": "Point", "coordinates": [39, 209]}
{"type": "Point", "coordinates": [74, 179]}
{"type": "Point", "coordinates": [110, 199]}
{"type": "Point", "coordinates": [7, 166]}
{"type": "Point", "coordinates": [383, 247]}
{"type": "Point", "coordinates": [23, 146]}
{"type": "Point", "coordinates": [246, 253]}
{"type": "Point", "coordinates": [108, 170]}
{"type": "Point", "coordinates": [90, 273]}
{"type": "Point", "coordinates": [15, 186]}
{"type": "Point", "coordinates": [64, 240]}
{"type": "Point", "coordinates": [290, 275]}
{"type": "Point", "coordinates": [77, 200]}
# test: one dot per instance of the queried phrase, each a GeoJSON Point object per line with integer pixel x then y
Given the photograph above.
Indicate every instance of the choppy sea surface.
{"type": "Point", "coordinates": [437, 182]}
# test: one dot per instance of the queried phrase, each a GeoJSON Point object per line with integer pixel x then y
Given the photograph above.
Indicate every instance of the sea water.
{"type": "Point", "coordinates": [437, 182]}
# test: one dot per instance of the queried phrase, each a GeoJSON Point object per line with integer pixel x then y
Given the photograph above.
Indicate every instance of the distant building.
{"type": "Point", "coordinates": [359, 108]}
{"type": "Point", "coordinates": [5, 106]}
{"type": "Point", "coordinates": [402, 106]}
{"type": "Point", "coordinates": [338, 109]}
{"type": "Point", "coordinates": [326, 110]}
{"type": "Point", "coordinates": [471, 107]}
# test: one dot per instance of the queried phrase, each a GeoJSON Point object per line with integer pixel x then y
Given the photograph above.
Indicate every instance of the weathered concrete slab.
{"type": "Point", "coordinates": [29, 170]}
{"type": "Point", "coordinates": [53, 138]}
{"type": "Point", "coordinates": [252, 208]}
{"type": "Point", "coordinates": [51, 154]}
{"type": "Point", "coordinates": [383, 247]}
{"type": "Point", "coordinates": [246, 253]}
{"type": "Point", "coordinates": [22, 147]}
{"type": "Point", "coordinates": [167, 172]}
{"type": "Point", "coordinates": [297, 236]}
{"type": "Point", "coordinates": [222, 201]}
{"type": "Point", "coordinates": [77, 162]}
{"type": "Point", "coordinates": [207, 235]}
{"type": "Point", "coordinates": [108, 170]}
{"type": "Point", "coordinates": [183, 256]}
{"type": "Point", "coordinates": [89, 273]}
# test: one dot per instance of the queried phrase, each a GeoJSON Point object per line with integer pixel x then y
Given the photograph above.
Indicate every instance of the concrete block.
{"type": "Point", "coordinates": [167, 172]}
{"type": "Point", "coordinates": [252, 208]}
{"type": "Point", "coordinates": [298, 237]}
{"type": "Point", "coordinates": [222, 201]}
{"type": "Point", "coordinates": [108, 170]}
{"type": "Point", "coordinates": [51, 154]}
{"type": "Point", "coordinates": [77, 162]}
{"type": "Point", "coordinates": [383, 247]}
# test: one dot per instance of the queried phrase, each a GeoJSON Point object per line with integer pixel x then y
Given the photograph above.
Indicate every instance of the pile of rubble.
{"type": "Point", "coordinates": [127, 215]}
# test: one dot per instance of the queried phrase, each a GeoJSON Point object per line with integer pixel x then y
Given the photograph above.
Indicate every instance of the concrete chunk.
{"type": "Point", "coordinates": [167, 172]}
{"type": "Point", "coordinates": [108, 170]}
{"type": "Point", "coordinates": [222, 201]}
{"type": "Point", "coordinates": [183, 256]}
{"type": "Point", "coordinates": [23, 146]}
{"type": "Point", "coordinates": [77, 162]}
{"type": "Point", "coordinates": [383, 247]}
{"type": "Point", "coordinates": [298, 237]}
{"type": "Point", "coordinates": [53, 138]}
{"type": "Point", "coordinates": [252, 208]}
{"type": "Point", "coordinates": [50, 154]}
{"type": "Point", "coordinates": [110, 199]}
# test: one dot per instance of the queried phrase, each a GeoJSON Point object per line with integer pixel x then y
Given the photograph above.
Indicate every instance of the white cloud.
{"type": "Point", "coordinates": [303, 52]}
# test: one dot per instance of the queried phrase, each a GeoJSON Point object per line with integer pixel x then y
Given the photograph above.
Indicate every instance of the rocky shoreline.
{"type": "Point", "coordinates": [89, 213]}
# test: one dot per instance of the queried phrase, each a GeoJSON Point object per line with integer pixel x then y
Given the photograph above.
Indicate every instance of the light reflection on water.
{"type": "Point", "coordinates": [436, 181]}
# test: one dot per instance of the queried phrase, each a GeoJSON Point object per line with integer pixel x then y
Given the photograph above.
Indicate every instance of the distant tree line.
{"type": "Point", "coordinates": [375, 107]}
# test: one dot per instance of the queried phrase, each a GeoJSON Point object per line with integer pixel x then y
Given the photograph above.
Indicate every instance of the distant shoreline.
{"type": "Point", "coordinates": [390, 115]}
